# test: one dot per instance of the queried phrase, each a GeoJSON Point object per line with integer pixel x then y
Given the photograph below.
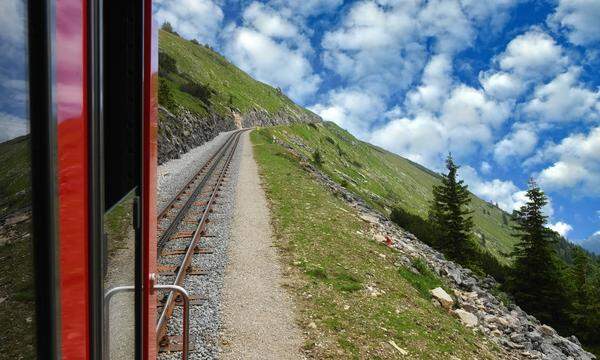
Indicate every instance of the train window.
{"type": "Point", "coordinates": [122, 60]}
{"type": "Point", "coordinates": [17, 291]}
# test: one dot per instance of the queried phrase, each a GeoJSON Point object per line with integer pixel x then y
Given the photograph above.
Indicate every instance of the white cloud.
{"type": "Point", "coordinates": [505, 193]}
{"type": "Point", "coordinates": [560, 227]}
{"type": "Point", "coordinates": [533, 54]}
{"type": "Point", "coordinates": [445, 21]}
{"type": "Point", "coordinates": [12, 126]}
{"type": "Point", "coordinates": [469, 119]}
{"type": "Point", "coordinates": [485, 167]}
{"type": "Point", "coordinates": [501, 85]}
{"type": "Point", "coordinates": [519, 143]}
{"type": "Point", "coordinates": [495, 12]}
{"type": "Point", "coordinates": [579, 19]}
{"type": "Point", "coordinates": [576, 164]}
{"type": "Point", "coordinates": [12, 21]}
{"type": "Point", "coordinates": [352, 109]}
{"type": "Point", "coordinates": [421, 139]}
{"type": "Point", "coordinates": [436, 82]}
{"type": "Point", "coordinates": [376, 47]}
{"type": "Point", "coordinates": [564, 100]}
{"type": "Point", "coordinates": [274, 50]}
{"type": "Point", "coordinates": [306, 8]}
{"type": "Point", "coordinates": [269, 22]}
{"type": "Point", "coordinates": [193, 19]}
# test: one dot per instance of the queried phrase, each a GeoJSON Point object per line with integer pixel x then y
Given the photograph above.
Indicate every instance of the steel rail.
{"type": "Point", "coordinates": [174, 224]}
{"type": "Point", "coordinates": [177, 197]}
{"type": "Point", "coordinates": [161, 326]}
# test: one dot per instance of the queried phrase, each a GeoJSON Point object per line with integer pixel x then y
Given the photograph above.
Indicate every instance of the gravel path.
{"type": "Point", "coordinates": [258, 314]}
{"type": "Point", "coordinates": [205, 319]}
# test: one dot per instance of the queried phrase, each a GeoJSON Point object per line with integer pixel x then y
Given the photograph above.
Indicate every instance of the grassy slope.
{"type": "Point", "coordinates": [234, 89]}
{"type": "Point", "coordinates": [14, 177]}
{"type": "Point", "coordinates": [330, 262]}
{"type": "Point", "coordinates": [385, 179]}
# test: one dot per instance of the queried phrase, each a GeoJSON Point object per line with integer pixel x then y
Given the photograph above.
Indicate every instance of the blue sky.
{"type": "Point", "coordinates": [508, 86]}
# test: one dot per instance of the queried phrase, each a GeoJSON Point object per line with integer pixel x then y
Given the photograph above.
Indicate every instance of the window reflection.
{"type": "Point", "coordinates": [17, 295]}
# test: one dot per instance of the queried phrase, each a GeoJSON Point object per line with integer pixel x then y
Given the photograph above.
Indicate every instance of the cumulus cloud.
{"type": "Point", "coordinates": [376, 46]}
{"type": "Point", "coordinates": [272, 49]}
{"type": "Point", "coordinates": [421, 139]}
{"type": "Point", "coordinates": [575, 164]}
{"type": "Point", "coordinates": [307, 8]}
{"type": "Point", "coordinates": [563, 99]}
{"type": "Point", "coordinates": [533, 54]}
{"type": "Point", "coordinates": [352, 109]}
{"type": "Point", "coordinates": [12, 126]}
{"type": "Point", "coordinates": [519, 143]}
{"type": "Point", "coordinates": [505, 193]}
{"type": "Point", "coordinates": [579, 19]}
{"type": "Point", "coordinates": [502, 85]}
{"type": "Point", "coordinates": [485, 167]}
{"type": "Point", "coordinates": [436, 82]}
{"type": "Point", "coordinates": [561, 227]}
{"type": "Point", "coordinates": [193, 19]}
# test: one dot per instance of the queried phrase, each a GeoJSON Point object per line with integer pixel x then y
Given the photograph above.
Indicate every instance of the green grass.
{"type": "Point", "coordinates": [14, 176]}
{"type": "Point", "coordinates": [330, 262]}
{"type": "Point", "coordinates": [234, 90]}
{"type": "Point", "coordinates": [385, 180]}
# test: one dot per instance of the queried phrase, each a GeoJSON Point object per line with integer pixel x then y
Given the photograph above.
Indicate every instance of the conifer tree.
{"type": "Point", "coordinates": [536, 281]}
{"type": "Point", "coordinates": [585, 296]}
{"type": "Point", "coordinates": [449, 213]}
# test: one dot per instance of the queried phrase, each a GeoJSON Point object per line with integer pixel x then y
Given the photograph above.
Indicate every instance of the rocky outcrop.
{"type": "Point", "coordinates": [286, 116]}
{"type": "Point", "coordinates": [177, 134]}
{"type": "Point", "coordinates": [521, 336]}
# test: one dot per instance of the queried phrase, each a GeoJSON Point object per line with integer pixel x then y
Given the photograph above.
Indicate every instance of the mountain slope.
{"type": "Point", "coordinates": [14, 177]}
{"type": "Point", "coordinates": [592, 244]}
{"type": "Point", "coordinates": [386, 180]}
{"type": "Point", "coordinates": [202, 94]}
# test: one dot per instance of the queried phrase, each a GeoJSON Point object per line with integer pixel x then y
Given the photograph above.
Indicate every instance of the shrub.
{"type": "Point", "coordinates": [317, 157]}
{"type": "Point", "coordinates": [166, 64]}
{"type": "Point", "coordinates": [165, 98]}
{"type": "Point", "coordinates": [200, 91]}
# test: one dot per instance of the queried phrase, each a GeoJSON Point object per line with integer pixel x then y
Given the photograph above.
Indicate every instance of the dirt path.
{"type": "Point", "coordinates": [258, 314]}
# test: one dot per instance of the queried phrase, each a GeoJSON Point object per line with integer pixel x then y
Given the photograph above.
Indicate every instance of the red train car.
{"type": "Point", "coordinates": [92, 111]}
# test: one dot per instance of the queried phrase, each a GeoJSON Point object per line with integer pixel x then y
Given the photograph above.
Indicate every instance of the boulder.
{"type": "Point", "coordinates": [468, 319]}
{"type": "Point", "coordinates": [442, 296]}
{"type": "Point", "coordinates": [547, 330]}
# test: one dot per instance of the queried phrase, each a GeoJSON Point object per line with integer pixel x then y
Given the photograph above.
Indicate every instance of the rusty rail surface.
{"type": "Point", "coordinates": [225, 155]}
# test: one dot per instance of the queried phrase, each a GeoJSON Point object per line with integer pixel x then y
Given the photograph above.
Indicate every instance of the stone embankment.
{"type": "Point", "coordinates": [178, 134]}
{"type": "Point", "coordinates": [521, 336]}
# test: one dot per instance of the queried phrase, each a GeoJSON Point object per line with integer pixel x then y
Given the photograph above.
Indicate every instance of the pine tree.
{"type": "Point", "coordinates": [536, 281]}
{"type": "Point", "coordinates": [450, 215]}
{"type": "Point", "coordinates": [585, 296]}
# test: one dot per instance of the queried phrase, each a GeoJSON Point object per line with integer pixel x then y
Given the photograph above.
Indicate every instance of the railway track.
{"type": "Point", "coordinates": [189, 209]}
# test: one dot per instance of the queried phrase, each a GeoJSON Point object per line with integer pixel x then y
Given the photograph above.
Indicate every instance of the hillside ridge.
{"type": "Point", "coordinates": [201, 94]}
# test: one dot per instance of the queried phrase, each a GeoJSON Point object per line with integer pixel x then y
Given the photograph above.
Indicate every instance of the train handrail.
{"type": "Point", "coordinates": [129, 288]}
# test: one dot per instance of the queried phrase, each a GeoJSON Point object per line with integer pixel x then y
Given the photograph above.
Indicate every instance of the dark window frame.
{"type": "Point", "coordinates": [42, 116]}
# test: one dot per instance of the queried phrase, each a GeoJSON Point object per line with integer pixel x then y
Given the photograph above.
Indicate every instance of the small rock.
{"type": "Point", "coordinates": [400, 350]}
{"type": "Point", "coordinates": [468, 319]}
{"type": "Point", "coordinates": [312, 325]}
{"type": "Point", "coordinates": [517, 338]}
{"type": "Point", "coordinates": [496, 333]}
{"type": "Point", "coordinates": [346, 307]}
{"type": "Point", "coordinates": [443, 297]}
{"type": "Point", "coordinates": [547, 330]}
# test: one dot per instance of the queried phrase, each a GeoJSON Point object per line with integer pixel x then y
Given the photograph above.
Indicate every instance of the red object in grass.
{"type": "Point", "coordinates": [388, 241]}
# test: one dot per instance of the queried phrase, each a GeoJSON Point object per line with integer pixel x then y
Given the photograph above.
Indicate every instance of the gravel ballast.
{"type": "Point", "coordinates": [205, 319]}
